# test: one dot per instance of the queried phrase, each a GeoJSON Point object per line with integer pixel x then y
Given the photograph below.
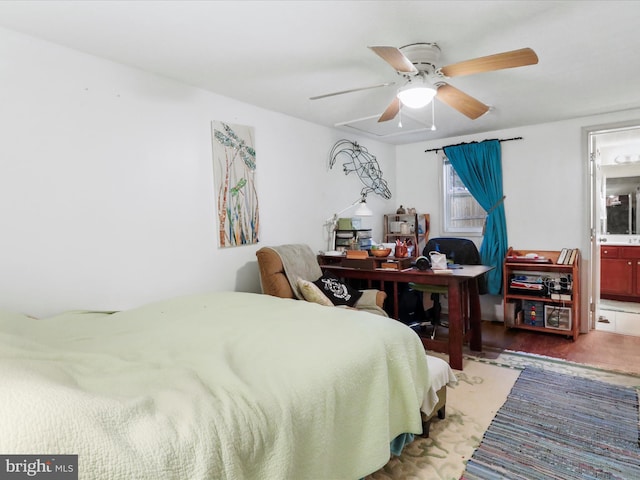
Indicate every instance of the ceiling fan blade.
{"type": "Point", "coordinates": [465, 104]}
{"type": "Point", "coordinates": [395, 58]}
{"type": "Point", "coordinates": [391, 111]}
{"type": "Point", "coordinates": [352, 90]}
{"type": "Point", "coordinates": [499, 61]}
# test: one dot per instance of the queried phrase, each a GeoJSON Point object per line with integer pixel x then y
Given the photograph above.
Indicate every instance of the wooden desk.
{"type": "Point", "coordinates": [463, 301]}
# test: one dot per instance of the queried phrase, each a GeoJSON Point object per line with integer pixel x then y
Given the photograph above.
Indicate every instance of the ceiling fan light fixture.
{"type": "Point", "coordinates": [417, 95]}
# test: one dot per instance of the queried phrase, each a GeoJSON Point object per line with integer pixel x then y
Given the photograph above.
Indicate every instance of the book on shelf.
{"type": "Point", "coordinates": [567, 256]}
{"type": "Point", "coordinates": [562, 256]}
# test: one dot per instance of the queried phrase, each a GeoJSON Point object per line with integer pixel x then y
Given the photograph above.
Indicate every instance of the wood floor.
{"type": "Point", "coordinates": [597, 348]}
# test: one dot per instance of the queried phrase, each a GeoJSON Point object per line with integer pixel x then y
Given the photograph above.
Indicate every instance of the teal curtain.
{"type": "Point", "coordinates": [479, 166]}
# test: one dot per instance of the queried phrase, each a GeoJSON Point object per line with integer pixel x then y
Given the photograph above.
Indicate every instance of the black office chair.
{"type": "Point", "coordinates": [459, 251]}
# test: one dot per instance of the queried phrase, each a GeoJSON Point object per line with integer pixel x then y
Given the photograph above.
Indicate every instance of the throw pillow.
{"type": "Point", "coordinates": [339, 293]}
{"type": "Point", "coordinates": [312, 293]}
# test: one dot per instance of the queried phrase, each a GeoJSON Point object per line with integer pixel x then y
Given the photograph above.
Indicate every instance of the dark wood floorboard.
{"type": "Point", "coordinates": [596, 348]}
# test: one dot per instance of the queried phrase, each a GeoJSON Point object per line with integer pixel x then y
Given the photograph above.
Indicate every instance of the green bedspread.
{"type": "Point", "coordinates": [213, 386]}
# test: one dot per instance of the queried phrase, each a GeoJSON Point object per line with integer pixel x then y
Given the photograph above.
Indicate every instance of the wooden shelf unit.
{"type": "Point", "coordinates": [514, 302]}
{"type": "Point", "coordinates": [418, 225]}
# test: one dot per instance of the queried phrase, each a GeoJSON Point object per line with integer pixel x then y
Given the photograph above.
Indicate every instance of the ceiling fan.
{"type": "Point", "coordinates": [417, 63]}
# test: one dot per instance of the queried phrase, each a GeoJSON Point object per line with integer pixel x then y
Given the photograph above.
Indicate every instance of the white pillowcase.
{"type": "Point", "coordinates": [312, 293]}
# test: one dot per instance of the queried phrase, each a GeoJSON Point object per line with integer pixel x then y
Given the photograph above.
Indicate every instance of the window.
{"type": "Point", "coordinates": [462, 214]}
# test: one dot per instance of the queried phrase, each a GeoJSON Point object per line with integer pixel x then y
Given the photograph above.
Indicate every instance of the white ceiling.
{"type": "Point", "coordinates": [277, 54]}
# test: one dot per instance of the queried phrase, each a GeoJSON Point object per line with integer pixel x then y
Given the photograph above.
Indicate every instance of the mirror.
{"type": "Point", "coordinates": [621, 203]}
{"type": "Point", "coordinates": [620, 194]}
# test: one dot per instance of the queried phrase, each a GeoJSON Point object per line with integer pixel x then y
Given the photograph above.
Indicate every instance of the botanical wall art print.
{"type": "Point", "coordinates": [234, 168]}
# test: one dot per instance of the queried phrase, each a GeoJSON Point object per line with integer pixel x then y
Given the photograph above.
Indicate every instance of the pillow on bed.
{"type": "Point", "coordinates": [312, 293]}
{"type": "Point", "coordinates": [339, 293]}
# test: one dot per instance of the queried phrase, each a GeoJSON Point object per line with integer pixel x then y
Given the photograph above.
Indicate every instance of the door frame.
{"type": "Point", "coordinates": [589, 135]}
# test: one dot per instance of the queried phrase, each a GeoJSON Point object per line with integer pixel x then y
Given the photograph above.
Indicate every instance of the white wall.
{"type": "Point", "coordinates": [106, 188]}
{"type": "Point", "coordinates": [106, 183]}
{"type": "Point", "coordinates": [545, 180]}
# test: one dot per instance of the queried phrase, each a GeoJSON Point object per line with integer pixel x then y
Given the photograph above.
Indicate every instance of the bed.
{"type": "Point", "coordinates": [224, 385]}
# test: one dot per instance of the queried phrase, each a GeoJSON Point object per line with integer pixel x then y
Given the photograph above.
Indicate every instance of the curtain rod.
{"type": "Point", "coordinates": [467, 143]}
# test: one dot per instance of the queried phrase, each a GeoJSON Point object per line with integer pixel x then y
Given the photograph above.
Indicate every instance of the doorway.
{"type": "Point", "coordinates": [614, 155]}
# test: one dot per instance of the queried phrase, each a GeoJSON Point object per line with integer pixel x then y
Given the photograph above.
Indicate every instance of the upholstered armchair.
{"type": "Point", "coordinates": [287, 270]}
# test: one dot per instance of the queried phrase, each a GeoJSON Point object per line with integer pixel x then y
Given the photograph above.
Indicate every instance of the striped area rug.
{"type": "Point", "coordinates": [556, 426]}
